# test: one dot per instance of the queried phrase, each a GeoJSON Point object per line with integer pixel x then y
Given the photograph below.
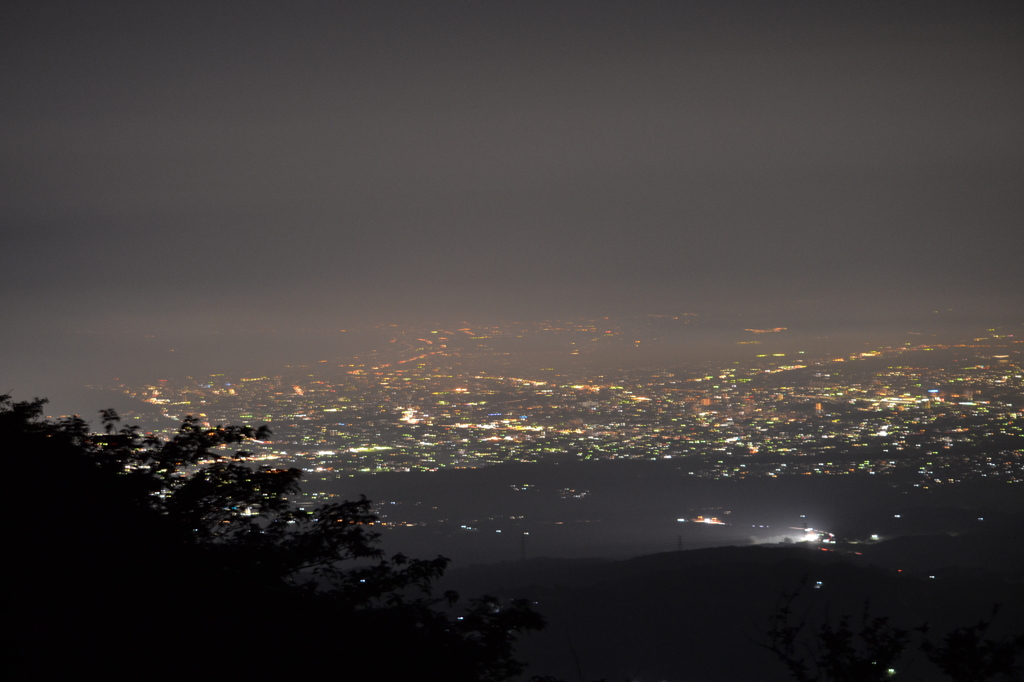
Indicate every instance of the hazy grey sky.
{"type": "Point", "coordinates": [200, 164]}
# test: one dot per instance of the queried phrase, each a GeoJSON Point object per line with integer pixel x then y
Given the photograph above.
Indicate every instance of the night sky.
{"type": "Point", "coordinates": [178, 169]}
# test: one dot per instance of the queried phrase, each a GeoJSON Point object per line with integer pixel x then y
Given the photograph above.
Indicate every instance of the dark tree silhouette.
{"type": "Point", "coordinates": [835, 652]}
{"type": "Point", "coordinates": [872, 651]}
{"type": "Point", "coordinates": [967, 654]}
{"type": "Point", "coordinates": [146, 557]}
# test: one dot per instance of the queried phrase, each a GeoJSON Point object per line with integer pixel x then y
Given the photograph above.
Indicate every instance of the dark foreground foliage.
{"type": "Point", "coordinates": [872, 649]}
{"type": "Point", "coordinates": [144, 558]}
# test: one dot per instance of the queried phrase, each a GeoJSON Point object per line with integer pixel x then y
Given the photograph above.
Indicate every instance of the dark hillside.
{"type": "Point", "coordinates": [701, 614]}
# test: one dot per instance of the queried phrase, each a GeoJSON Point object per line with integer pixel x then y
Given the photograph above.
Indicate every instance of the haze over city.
{"type": "Point", "coordinates": [193, 171]}
{"type": "Point", "coordinates": [592, 294]}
